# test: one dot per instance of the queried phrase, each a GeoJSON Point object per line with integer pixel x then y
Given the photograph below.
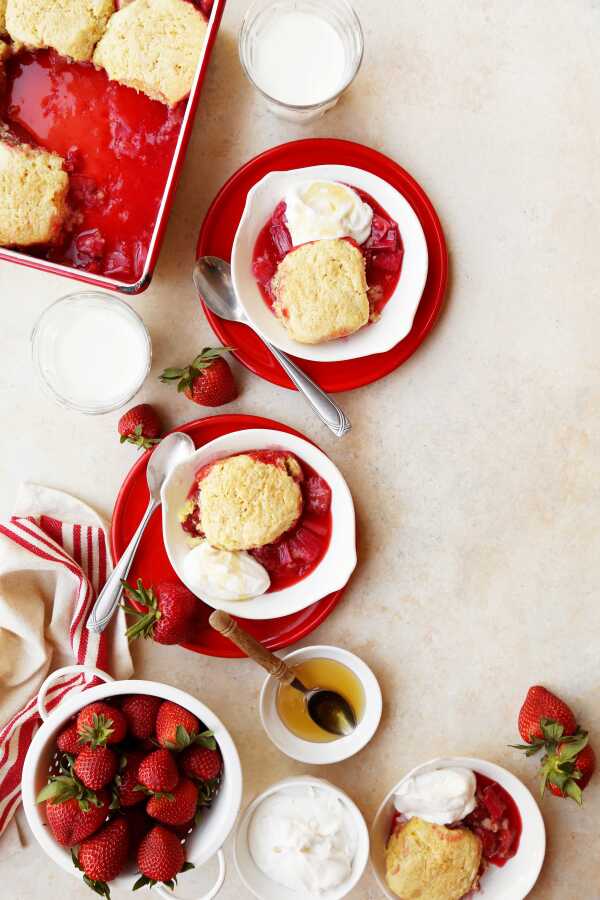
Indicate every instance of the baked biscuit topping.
{"type": "Point", "coordinates": [73, 27]}
{"type": "Point", "coordinates": [33, 193]}
{"type": "Point", "coordinates": [321, 291]}
{"type": "Point", "coordinates": [246, 502]}
{"type": "Point", "coordinates": [432, 862]}
{"type": "Point", "coordinates": [154, 46]}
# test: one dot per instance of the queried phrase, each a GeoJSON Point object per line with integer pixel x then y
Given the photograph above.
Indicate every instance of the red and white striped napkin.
{"type": "Point", "coordinates": [54, 558]}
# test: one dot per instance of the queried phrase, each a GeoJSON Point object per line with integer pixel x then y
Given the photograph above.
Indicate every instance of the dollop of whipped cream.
{"type": "Point", "coordinates": [317, 210]}
{"type": "Point", "coordinates": [223, 574]}
{"type": "Point", "coordinates": [442, 797]}
{"type": "Point", "coordinates": [304, 839]}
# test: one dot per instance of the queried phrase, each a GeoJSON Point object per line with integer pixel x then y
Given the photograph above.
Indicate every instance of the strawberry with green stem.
{"type": "Point", "coordinates": [178, 728]}
{"type": "Point", "coordinates": [140, 426]}
{"type": "Point", "coordinates": [72, 810]}
{"type": "Point", "coordinates": [160, 858]}
{"type": "Point", "coordinates": [170, 611]}
{"type": "Point", "coordinates": [208, 380]}
{"type": "Point", "coordinates": [103, 856]}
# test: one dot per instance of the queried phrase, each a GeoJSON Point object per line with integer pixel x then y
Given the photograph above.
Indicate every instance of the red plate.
{"type": "Point", "coordinates": [221, 222]}
{"type": "Point", "coordinates": [152, 565]}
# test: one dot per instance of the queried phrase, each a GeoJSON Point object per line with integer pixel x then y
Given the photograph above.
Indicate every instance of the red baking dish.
{"type": "Point", "coordinates": [124, 153]}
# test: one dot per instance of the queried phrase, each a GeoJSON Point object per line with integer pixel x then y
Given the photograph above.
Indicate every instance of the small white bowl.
{"type": "Point", "coordinates": [312, 752]}
{"type": "Point", "coordinates": [339, 561]}
{"type": "Point", "coordinates": [398, 313]}
{"type": "Point", "coordinates": [258, 883]}
{"type": "Point", "coordinates": [202, 844]}
{"type": "Point", "coordinates": [516, 878]}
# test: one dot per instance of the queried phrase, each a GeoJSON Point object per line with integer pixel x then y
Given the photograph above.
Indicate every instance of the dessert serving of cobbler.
{"type": "Point", "coordinates": [327, 261]}
{"type": "Point", "coordinates": [256, 522]}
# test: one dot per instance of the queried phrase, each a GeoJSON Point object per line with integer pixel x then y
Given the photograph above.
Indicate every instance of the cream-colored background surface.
{"type": "Point", "coordinates": [475, 468]}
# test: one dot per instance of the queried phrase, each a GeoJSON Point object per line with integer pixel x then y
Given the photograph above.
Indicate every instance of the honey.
{"type": "Point", "coordinates": [323, 673]}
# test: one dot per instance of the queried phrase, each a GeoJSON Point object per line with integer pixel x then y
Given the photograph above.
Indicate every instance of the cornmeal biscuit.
{"type": "Point", "coordinates": [73, 27]}
{"type": "Point", "coordinates": [321, 291]}
{"type": "Point", "coordinates": [245, 503]}
{"type": "Point", "coordinates": [2, 16]}
{"type": "Point", "coordinates": [33, 193]}
{"type": "Point", "coordinates": [154, 46]}
{"type": "Point", "coordinates": [432, 862]}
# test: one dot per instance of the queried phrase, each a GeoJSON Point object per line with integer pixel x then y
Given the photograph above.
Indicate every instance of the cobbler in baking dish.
{"type": "Point", "coordinates": [327, 261]}
{"type": "Point", "coordinates": [116, 143]}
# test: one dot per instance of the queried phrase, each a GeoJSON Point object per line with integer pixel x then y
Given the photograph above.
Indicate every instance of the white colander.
{"type": "Point", "coordinates": [201, 844]}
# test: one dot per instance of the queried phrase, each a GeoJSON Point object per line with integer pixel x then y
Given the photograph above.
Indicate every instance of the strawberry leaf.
{"type": "Point", "coordinates": [100, 887]}
{"type": "Point", "coordinates": [142, 882]}
{"type": "Point", "coordinates": [187, 866]}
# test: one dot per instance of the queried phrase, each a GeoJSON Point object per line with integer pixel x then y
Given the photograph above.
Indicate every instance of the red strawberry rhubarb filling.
{"type": "Point", "coordinates": [383, 252]}
{"type": "Point", "coordinates": [297, 552]}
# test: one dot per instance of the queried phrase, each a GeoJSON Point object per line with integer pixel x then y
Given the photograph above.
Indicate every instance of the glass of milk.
{"type": "Point", "coordinates": [301, 55]}
{"type": "Point", "coordinates": [91, 351]}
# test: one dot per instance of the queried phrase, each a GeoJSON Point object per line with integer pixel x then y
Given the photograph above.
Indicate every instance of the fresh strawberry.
{"type": "Point", "coordinates": [177, 809]}
{"type": "Point", "coordinates": [158, 772]}
{"type": "Point", "coordinates": [138, 824]}
{"type": "Point", "coordinates": [201, 763]}
{"type": "Point", "coordinates": [73, 820]}
{"type": "Point", "coordinates": [140, 426]}
{"type": "Point", "coordinates": [567, 772]}
{"type": "Point", "coordinates": [68, 741]}
{"type": "Point", "coordinates": [128, 780]}
{"type": "Point", "coordinates": [102, 857]}
{"type": "Point", "coordinates": [544, 718]}
{"type": "Point", "coordinates": [96, 766]}
{"type": "Point", "coordinates": [100, 723]}
{"type": "Point", "coordinates": [140, 710]}
{"type": "Point", "coordinates": [177, 728]}
{"type": "Point", "coordinates": [170, 612]}
{"type": "Point", "coordinates": [160, 858]}
{"type": "Point", "coordinates": [208, 380]}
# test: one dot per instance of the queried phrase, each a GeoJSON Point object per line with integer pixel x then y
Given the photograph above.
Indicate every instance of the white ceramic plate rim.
{"type": "Point", "coordinates": [31, 784]}
{"type": "Point", "coordinates": [399, 312]}
{"type": "Point", "coordinates": [249, 872]}
{"type": "Point", "coordinates": [333, 751]}
{"type": "Point", "coordinates": [511, 882]}
{"type": "Point", "coordinates": [339, 561]}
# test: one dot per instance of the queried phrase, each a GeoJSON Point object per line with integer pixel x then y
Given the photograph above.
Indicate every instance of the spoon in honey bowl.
{"type": "Point", "coordinates": [328, 709]}
{"type": "Point", "coordinates": [212, 278]}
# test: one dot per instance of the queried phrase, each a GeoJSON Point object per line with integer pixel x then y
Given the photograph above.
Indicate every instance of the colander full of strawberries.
{"type": "Point", "coordinates": [128, 784]}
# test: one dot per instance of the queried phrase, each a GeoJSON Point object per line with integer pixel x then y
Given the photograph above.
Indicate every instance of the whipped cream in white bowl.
{"type": "Point", "coordinates": [301, 838]}
{"type": "Point", "coordinates": [516, 878]}
{"type": "Point", "coordinates": [336, 566]}
{"type": "Point", "coordinates": [398, 313]}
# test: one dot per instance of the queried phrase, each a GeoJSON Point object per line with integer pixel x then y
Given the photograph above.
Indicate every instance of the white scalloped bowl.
{"type": "Point", "coordinates": [204, 841]}
{"type": "Point", "coordinates": [339, 561]}
{"type": "Point", "coordinates": [516, 878]}
{"type": "Point", "coordinates": [399, 312]}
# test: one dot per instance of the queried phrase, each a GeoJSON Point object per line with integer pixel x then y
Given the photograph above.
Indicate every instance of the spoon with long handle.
{"type": "Point", "coordinates": [172, 450]}
{"type": "Point", "coordinates": [328, 709]}
{"type": "Point", "coordinates": [212, 278]}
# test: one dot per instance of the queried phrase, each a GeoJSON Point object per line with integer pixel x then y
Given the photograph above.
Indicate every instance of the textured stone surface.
{"type": "Point", "coordinates": [475, 468]}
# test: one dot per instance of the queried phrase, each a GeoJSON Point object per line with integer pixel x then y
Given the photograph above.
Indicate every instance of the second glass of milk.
{"type": "Point", "coordinates": [91, 351]}
{"type": "Point", "coordinates": [301, 54]}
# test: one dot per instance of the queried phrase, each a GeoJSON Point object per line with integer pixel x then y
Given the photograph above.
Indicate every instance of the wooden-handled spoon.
{"type": "Point", "coordinates": [328, 709]}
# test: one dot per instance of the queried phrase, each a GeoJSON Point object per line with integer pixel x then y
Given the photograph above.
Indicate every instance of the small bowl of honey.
{"type": "Point", "coordinates": [285, 717]}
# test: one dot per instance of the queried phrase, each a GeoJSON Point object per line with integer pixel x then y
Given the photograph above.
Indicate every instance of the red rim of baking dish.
{"type": "Point", "coordinates": [220, 225]}
{"type": "Point", "coordinates": [151, 558]}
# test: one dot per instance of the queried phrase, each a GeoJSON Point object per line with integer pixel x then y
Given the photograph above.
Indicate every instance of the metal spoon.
{"type": "Point", "coordinates": [328, 709]}
{"type": "Point", "coordinates": [172, 450]}
{"type": "Point", "coordinates": [212, 278]}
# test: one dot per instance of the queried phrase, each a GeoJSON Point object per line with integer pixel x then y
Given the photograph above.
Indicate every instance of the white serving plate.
{"type": "Point", "coordinates": [516, 878]}
{"type": "Point", "coordinates": [399, 312]}
{"type": "Point", "coordinates": [339, 561]}
{"type": "Point", "coordinates": [257, 882]}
